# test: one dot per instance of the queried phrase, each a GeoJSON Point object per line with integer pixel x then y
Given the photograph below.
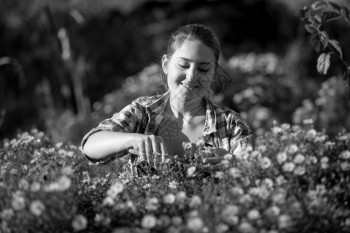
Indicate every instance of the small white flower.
{"type": "Point", "coordinates": [37, 207]}
{"type": "Point", "coordinates": [267, 182]}
{"type": "Point", "coordinates": [18, 202]}
{"type": "Point", "coordinates": [273, 210]}
{"type": "Point", "coordinates": [345, 166]}
{"type": "Point", "coordinates": [281, 157]}
{"type": "Point", "coordinates": [292, 148]}
{"type": "Point", "coordinates": [246, 227]}
{"type": "Point", "coordinates": [35, 187]}
{"type": "Point", "coordinates": [299, 158]}
{"type": "Point", "coordinates": [299, 170]}
{"type": "Point", "coordinates": [265, 162]}
{"type": "Point", "coordinates": [169, 198]}
{"type": "Point", "coordinates": [219, 175]}
{"type": "Point", "coordinates": [311, 133]}
{"type": "Point", "coordinates": [63, 183]}
{"type": "Point", "coordinates": [253, 214]}
{"type": "Point", "coordinates": [234, 172]}
{"type": "Point", "coordinates": [228, 156]}
{"type": "Point", "coordinates": [79, 223]}
{"type": "Point", "coordinates": [236, 191]}
{"type": "Point", "coordinates": [23, 184]}
{"type": "Point", "coordinates": [288, 167]}
{"type": "Point", "coordinates": [191, 171]}
{"type": "Point", "coordinates": [67, 171]}
{"type": "Point", "coordinates": [173, 184]}
{"type": "Point", "coordinates": [284, 221]}
{"type": "Point", "coordinates": [180, 197]}
{"type": "Point", "coordinates": [115, 189]}
{"type": "Point", "coordinates": [152, 203]}
{"type": "Point", "coordinates": [345, 154]}
{"type": "Point", "coordinates": [148, 221]}
{"type": "Point", "coordinates": [221, 228]}
{"type": "Point", "coordinates": [195, 202]}
{"type": "Point", "coordinates": [195, 224]}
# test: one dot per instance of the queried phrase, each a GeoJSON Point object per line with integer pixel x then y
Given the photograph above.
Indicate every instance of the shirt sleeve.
{"type": "Point", "coordinates": [127, 120]}
{"type": "Point", "coordinates": [241, 136]}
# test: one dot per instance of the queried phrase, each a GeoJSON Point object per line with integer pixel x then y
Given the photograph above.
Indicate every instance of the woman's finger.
{"type": "Point", "coordinates": [163, 149]}
{"type": "Point", "coordinates": [213, 160]}
{"type": "Point", "coordinates": [149, 151]}
{"type": "Point", "coordinates": [142, 151]}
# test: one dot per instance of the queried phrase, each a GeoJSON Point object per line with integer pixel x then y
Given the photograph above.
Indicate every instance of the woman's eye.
{"type": "Point", "coordinates": [183, 65]}
{"type": "Point", "coordinates": [203, 70]}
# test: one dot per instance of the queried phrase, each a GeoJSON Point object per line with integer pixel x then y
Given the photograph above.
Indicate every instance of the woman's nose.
{"type": "Point", "coordinates": [191, 76]}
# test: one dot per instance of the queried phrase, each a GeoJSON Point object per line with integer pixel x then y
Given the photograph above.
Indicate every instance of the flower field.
{"type": "Point", "coordinates": [295, 180]}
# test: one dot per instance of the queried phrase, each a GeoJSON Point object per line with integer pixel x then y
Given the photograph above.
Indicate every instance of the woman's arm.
{"type": "Point", "coordinates": [104, 144]}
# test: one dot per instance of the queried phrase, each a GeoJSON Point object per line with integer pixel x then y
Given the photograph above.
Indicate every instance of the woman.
{"type": "Point", "coordinates": [155, 127]}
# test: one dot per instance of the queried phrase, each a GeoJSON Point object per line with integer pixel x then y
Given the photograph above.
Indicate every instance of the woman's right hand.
{"type": "Point", "coordinates": [151, 148]}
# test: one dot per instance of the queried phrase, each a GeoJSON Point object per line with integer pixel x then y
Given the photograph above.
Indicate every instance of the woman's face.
{"type": "Point", "coordinates": [190, 70]}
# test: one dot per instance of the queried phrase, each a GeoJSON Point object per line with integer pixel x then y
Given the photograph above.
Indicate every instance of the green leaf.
{"type": "Point", "coordinates": [310, 28]}
{"type": "Point", "coordinates": [337, 47]}
{"type": "Point", "coordinates": [315, 40]}
{"type": "Point", "coordinates": [335, 6]}
{"type": "Point", "coordinates": [346, 13]}
{"type": "Point", "coordinates": [304, 13]}
{"type": "Point", "coordinates": [324, 38]}
{"type": "Point", "coordinates": [316, 20]}
{"type": "Point", "coordinates": [329, 16]}
{"type": "Point", "coordinates": [323, 63]}
{"type": "Point", "coordinates": [318, 5]}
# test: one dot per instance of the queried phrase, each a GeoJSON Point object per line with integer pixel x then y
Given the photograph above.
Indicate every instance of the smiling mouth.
{"type": "Point", "coordinates": [189, 86]}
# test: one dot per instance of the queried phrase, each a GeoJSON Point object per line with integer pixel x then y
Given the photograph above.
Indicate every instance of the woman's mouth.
{"type": "Point", "coordinates": [189, 86]}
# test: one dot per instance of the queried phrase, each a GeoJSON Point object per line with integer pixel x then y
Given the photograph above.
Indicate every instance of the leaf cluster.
{"type": "Point", "coordinates": [314, 18]}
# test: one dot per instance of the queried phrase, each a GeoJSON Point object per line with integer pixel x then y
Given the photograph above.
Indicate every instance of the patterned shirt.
{"type": "Point", "coordinates": [223, 127]}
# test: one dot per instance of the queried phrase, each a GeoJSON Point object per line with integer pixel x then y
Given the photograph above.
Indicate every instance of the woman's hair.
{"type": "Point", "coordinates": [201, 33]}
{"type": "Point", "coordinates": [194, 32]}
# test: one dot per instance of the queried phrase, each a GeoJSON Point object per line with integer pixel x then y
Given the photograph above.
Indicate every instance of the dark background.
{"type": "Point", "coordinates": [66, 65]}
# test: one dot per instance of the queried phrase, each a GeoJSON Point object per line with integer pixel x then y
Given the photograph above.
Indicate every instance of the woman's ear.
{"type": "Point", "coordinates": [165, 62]}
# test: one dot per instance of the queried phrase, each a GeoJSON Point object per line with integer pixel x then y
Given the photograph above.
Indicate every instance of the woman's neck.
{"type": "Point", "coordinates": [187, 109]}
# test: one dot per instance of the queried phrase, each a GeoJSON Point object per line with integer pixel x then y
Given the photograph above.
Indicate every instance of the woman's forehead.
{"type": "Point", "coordinates": [195, 51]}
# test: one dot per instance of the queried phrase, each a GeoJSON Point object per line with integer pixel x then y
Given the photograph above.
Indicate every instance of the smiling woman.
{"type": "Point", "coordinates": [156, 127]}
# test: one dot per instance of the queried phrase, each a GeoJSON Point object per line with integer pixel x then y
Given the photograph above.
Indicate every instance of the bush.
{"type": "Point", "coordinates": [295, 180]}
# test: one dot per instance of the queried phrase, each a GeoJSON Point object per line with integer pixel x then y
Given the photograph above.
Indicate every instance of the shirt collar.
{"type": "Point", "coordinates": [158, 107]}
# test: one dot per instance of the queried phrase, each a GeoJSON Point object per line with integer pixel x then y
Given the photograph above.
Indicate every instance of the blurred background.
{"type": "Point", "coordinates": [66, 65]}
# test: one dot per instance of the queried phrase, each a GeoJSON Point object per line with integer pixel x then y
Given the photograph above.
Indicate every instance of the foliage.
{"type": "Point", "coordinates": [296, 180]}
{"type": "Point", "coordinates": [314, 18]}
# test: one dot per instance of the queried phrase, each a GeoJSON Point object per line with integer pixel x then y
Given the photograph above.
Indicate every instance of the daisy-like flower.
{"type": "Point", "coordinates": [345, 166]}
{"type": "Point", "coordinates": [173, 184]}
{"type": "Point", "coordinates": [221, 228]}
{"type": "Point", "coordinates": [191, 171]}
{"type": "Point", "coordinates": [265, 162]}
{"type": "Point", "coordinates": [288, 167]}
{"type": "Point", "coordinates": [311, 133]}
{"type": "Point", "coordinates": [148, 221]}
{"type": "Point", "coordinates": [35, 187]}
{"type": "Point", "coordinates": [273, 211]}
{"type": "Point", "coordinates": [169, 198]}
{"type": "Point", "coordinates": [284, 221]}
{"type": "Point", "coordinates": [293, 148]}
{"type": "Point", "coordinates": [79, 223]}
{"type": "Point", "coordinates": [63, 183]}
{"type": "Point", "coordinates": [37, 207]}
{"type": "Point", "coordinates": [219, 175]}
{"type": "Point", "coordinates": [180, 197]}
{"type": "Point", "coordinates": [253, 214]}
{"type": "Point", "coordinates": [281, 157]}
{"type": "Point", "coordinates": [246, 227]}
{"type": "Point", "coordinates": [228, 156]}
{"type": "Point", "coordinates": [234, 172]}
{"type": "Point", "coordinates": [152, 204]}
{"type": "Point", "coordinates": [18, 202]}
{"type": "Point", "coordinates": [23, 184]}
{"type": "Point", "coordinates": [345, 154]}
{"type": "Point", "coordinates": [115, 189]}
{"type": "Point", "coordinates": [299, 170]}
{"type": "Point", "coordinates": [195, 224]}
{"type": "Point", "coordinates": [299, 158]}
{"type": "Point", "coordinates": [195, 202]}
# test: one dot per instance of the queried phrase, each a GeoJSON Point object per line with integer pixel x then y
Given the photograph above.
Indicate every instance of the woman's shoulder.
{"type": "Point", "coordinates": [232, 117]}
{"type": "Point", "coordinates": [147, 101]}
